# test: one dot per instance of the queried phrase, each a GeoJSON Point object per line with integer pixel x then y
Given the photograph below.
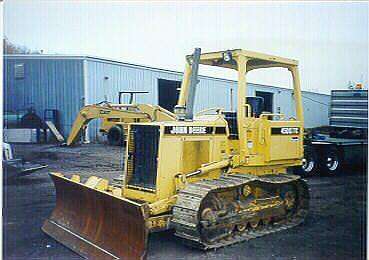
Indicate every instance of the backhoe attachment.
{"type": "Point", "coordinates": [90, 112]}
{"type": "Point", "coordinates": [96, 222]}
{"type": "Point", "coordinates": [117, 114]}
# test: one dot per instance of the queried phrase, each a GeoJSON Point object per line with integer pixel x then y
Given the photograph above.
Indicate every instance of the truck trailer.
{"type": "Point", "coordinates": [344, 143]}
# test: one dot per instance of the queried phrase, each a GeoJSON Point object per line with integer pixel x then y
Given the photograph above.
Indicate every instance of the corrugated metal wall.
{"type": "Point", "coordinates": [106, 79]}
{"type": "Point", "coordinates": [316, 109]}
{"type": "Point", "coordinates": [47, 84]}
{"type": "Point", "coordinates": [67, 83]}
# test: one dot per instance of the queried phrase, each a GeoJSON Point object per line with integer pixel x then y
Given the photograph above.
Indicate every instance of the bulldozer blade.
{"type": "Point", "coordinates": [95, 224]}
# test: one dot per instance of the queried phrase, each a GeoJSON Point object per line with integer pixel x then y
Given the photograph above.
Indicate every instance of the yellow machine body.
{"type": "Point", "coordinates": [181, 153]}
{"type": "Point", "coordinates": [229, 173]}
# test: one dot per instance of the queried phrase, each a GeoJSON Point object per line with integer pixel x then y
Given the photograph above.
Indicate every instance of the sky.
{"type": "Point", "coordinates": [329, 39]}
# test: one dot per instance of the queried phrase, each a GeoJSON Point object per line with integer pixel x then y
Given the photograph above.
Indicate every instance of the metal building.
{"type": "Point", "coordinates": [67, 83]}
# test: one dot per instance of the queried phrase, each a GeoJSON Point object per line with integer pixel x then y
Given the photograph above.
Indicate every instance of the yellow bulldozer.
{"type": "Point", "coordinates": [115, 118]}
{"type": "Point", "coordinates": [216, 178]}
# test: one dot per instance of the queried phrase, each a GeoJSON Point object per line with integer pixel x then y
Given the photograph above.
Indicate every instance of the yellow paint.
{"type": "Point", "coordinates": [76, 178]}
{"type": "Point", "coordinates": [97, 183]}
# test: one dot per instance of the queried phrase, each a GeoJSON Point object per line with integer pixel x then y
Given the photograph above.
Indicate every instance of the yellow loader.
{"type": "Point", "coordinates": [217, 178]}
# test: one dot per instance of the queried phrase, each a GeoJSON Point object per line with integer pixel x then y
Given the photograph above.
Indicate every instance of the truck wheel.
{"type": "Point", "coordinates": [115, 136]}
{"type": "Point", "coordinates": [332, 161]}
{"type": "Point", "coordinates": [309, 165]}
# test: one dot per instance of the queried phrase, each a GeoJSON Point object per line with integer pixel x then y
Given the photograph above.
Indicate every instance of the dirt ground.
{"type": "Point", "coordinates": [334, 229]}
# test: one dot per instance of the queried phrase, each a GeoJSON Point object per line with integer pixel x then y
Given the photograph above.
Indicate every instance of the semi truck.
{"type": "Point", "coordinates": [342, 144]}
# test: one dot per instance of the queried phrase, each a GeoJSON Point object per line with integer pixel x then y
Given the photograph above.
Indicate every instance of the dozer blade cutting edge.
{"type": "Point", "coordinates": [96, 224]}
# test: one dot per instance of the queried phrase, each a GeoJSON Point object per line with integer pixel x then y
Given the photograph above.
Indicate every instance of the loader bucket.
{"type": "Point", "coordinates": [95, 224]}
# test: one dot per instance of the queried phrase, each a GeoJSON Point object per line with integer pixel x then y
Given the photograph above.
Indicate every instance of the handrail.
{"type": "Point", "coordinates": [281, 116]}
{"type": "Point", "coordinates": [218, 110]}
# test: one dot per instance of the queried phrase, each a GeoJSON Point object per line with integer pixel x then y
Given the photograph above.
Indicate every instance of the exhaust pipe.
{"type": "Point", "coordinates": [193, 83]}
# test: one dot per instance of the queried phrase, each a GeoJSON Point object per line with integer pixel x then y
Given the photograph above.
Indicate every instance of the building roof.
{"type": "Point", "coordinates": [111, 61]}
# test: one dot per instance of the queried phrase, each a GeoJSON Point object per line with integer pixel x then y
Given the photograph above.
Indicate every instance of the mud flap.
{"type": "Point", "coordinates": [95, 224]}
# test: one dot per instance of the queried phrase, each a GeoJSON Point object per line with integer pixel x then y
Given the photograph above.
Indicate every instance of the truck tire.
{"type": "Point", "coordinates": [332, 161]}
{"type": "Point", "coordinates": [309, 165]}
{"type": "Point", "coordinates": [116, 136]}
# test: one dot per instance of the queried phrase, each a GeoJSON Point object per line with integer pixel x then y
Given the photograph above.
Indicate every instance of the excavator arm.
{"type": "Point", "coordinates": [119, 111]}
{"type": "Point", "coordinates": [90, 112]}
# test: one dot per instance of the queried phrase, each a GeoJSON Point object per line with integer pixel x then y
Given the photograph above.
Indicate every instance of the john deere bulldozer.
{"type": "Point", "coordinates": [216, 178]}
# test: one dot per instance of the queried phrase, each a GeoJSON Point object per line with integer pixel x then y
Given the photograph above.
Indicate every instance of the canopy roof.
{"type": "Point", "coordinates": [256, 60]}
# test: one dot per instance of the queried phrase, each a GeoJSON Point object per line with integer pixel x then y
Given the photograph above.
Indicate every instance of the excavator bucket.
{"type": "Point", "coordinates": [95, 223]}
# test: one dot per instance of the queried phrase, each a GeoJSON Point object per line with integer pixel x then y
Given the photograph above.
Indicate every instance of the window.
{"type": "Point", "coordinates": [168, 93]}
{"type": "Point", "coordinates": [268, 100]}
{"type": "Point", "coordinates": [19, 71]}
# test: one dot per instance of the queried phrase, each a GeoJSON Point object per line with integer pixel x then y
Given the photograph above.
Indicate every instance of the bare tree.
{"type": "Point", "coordinates": [11, 48]}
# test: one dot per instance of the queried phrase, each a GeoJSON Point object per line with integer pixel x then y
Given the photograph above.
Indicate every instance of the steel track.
{"type": "Point", "coordinates": [186, 220]}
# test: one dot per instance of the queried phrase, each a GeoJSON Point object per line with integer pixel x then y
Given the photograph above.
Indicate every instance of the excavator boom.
{"type": "Point", "coordinates": [121, 112]}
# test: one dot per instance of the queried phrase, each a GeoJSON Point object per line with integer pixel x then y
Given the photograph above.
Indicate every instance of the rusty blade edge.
{"type": "Point", "coordinates": [82, 239]}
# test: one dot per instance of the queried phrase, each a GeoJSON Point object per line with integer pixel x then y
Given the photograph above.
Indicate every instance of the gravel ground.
{"type": "Point", "coordinates": [334, 229]}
